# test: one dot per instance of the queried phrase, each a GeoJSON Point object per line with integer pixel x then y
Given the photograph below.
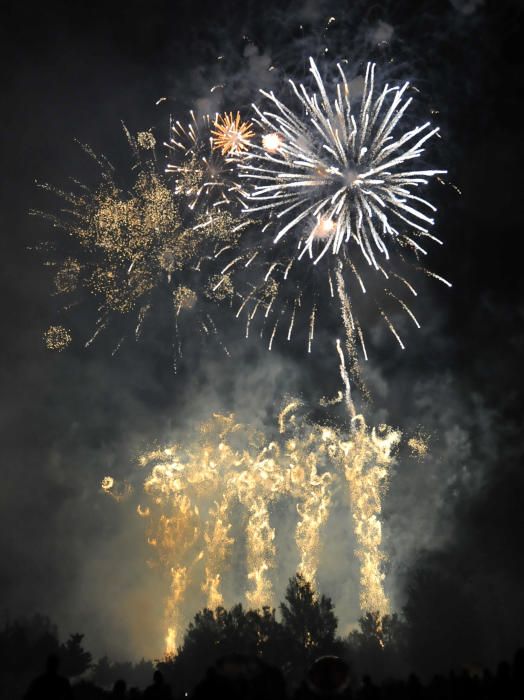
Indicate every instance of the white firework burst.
{"type": "Point", "coordinates": [334, 176]}
{"type": "Point", "coordinates": [339, 178]}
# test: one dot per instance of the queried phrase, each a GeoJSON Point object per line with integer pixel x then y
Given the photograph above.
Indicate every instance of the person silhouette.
{"type": "Point", "coordinates": [159, 690]}
{"type": "Point", "coordinates": [50, 685]}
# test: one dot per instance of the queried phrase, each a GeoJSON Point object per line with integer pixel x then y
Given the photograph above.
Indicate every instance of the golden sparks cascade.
{"type": "Point", "coordinates": [193, 488]}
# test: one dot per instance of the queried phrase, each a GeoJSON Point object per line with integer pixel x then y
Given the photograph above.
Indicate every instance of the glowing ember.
{"type": "Point", "coordinates": [271, 142]}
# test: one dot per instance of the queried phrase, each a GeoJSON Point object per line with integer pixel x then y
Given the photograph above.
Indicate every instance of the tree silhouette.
{"type": "Point", "coordinates": [25, 646]}
{"type": "Point", "coordinates": [307, 630]}
{"type": "Point", "coordinates": [74, 659]}
{"type": "Point", "coordinates": [377, 648]}
{"type": "Point", "coordinates": [105, 672]}
{"type": "Point", "coordinates": [309, 626]}
{"type": "Point", "coordinates": [308, 619]}
{"type": "Point", "coordinates": [216, 633]}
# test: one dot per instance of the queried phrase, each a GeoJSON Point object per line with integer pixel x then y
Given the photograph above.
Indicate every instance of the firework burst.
{"type": "Point", "coordinates": [347, 174]}
{"type": "Point", "coordinates": [333, 181]}
{"type": "Point", "coordinates": [57, 338]}
{"type": "Point", "coordinates": [203, 173]}
{"type": "Point", "coordinates": [137, 245]}
{"type": "Point", "coordinates": [232, 135]}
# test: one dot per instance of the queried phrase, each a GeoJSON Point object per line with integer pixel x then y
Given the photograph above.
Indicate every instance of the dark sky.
{"type": "Point", "coordinates": [76, 71]}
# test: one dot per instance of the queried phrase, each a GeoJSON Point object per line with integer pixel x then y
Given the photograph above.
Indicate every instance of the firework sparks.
{"type": "Point", "coordinates": [231, 134]}
{"type": "Point", "coordinates": [418, 445]}
{"type": "Point", "coordinates": [201, 172]}
{"type": "Point", "coordinates": [193, 489]}
{"type": "Point", "coordinates": [118, 491]}
{"type": "Point", "coordinates": [57, 338]}
{"type": "Point", "coordinates": [349, 171]}
{"type": "Point", "coordinates": [337, 182]}
{"type": "Point", "coordinates": [271, 142]}
{"type": "Point", "coordinates": [137, 246]}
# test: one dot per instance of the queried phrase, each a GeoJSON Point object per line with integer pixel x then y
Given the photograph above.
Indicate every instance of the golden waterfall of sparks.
{"type": "Point", "coordinates": [367, 461]}
{"type": "Point", "coordinates": [231, 134]}
{"type": "Point", "coordinates": [260, 551]}
{"type": "Point", "coordinates": [218, 543]}
{"type": "Point", "coordinates": [192, 489]}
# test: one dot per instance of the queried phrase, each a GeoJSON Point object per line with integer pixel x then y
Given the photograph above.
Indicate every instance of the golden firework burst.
{"type": "Point", "coordinates": [133, 243]}
{"type": "Point", "coordinates": [231, 135]}
{"type": "Point", "coordinates": [57, 338]}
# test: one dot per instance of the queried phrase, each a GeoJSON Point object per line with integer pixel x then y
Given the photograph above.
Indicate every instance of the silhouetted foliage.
{"type": "Point", "coordinates": [217, 633]}
{"type": "Point", "coordinates": [309, 627]}
{"type": "Point", "coordinates": [255, 654]}
{"type": "Point", "coordinates": [307, 630]}
{"type": "Point", "coordinates": [307, 618]}
{"type": "Point", "coordinates": [378, 647]}
{"type": "Point", "coordinates": [74, 660]}
{"type": "Point", "coordinates": [106, 672]}
{"type": "Point", "coordinates": [27, 644]}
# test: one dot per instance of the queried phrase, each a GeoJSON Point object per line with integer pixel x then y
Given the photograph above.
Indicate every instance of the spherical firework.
{"type": "Point", "coordinates": [57, 338]}
{"type": "Point", "coordinates": [335, 184]}
{"type": "Point", "coordinates": [232, 135]}
{"type": "Point", "coordinates": [335, 176]}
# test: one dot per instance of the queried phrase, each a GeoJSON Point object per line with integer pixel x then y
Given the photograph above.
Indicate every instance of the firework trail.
{"type": "Point", "coordinates": [154, 242]}
{"type": "Point", "coordinates": [192, 489]}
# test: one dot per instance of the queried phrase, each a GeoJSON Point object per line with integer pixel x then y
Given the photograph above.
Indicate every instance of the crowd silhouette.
{"type": "Point", "coordinates": [253, 655]}
{"type": "Point", "coordinates": [241, 677]}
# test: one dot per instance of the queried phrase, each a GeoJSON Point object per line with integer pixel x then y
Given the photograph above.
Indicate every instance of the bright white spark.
{"type": "Point", "coordinates": [271, 142]}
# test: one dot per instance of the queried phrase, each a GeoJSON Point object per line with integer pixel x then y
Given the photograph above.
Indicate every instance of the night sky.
{"type": "Point", "coordinates": [76, 71]}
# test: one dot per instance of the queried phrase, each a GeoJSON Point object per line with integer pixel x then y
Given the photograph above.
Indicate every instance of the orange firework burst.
{"type": "Point", "coordinates": [231, 134]}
